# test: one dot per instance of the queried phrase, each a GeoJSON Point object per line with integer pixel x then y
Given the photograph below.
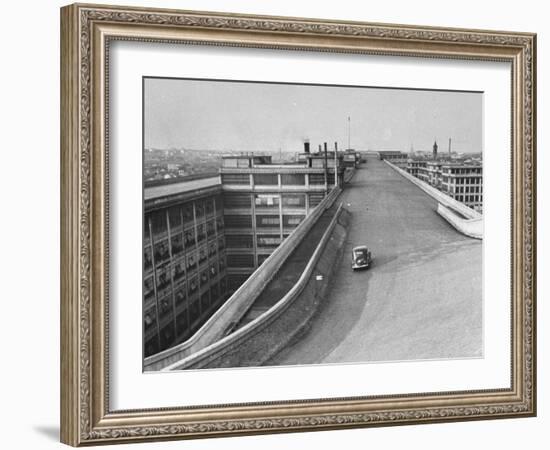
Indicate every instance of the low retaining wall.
{"type": "Point", "coordinates": [470, 227]}
{"type": "Point", "coordinates": [261, 339]}
{"type": "Point", "coordinates": [238, 304]}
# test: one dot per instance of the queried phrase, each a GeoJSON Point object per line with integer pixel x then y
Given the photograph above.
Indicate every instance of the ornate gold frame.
{"type": "Point", "coordinates": [86, 31]}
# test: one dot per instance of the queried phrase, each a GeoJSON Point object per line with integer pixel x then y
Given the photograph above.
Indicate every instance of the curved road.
{"type": "Point", "coordinates": [422, 297]}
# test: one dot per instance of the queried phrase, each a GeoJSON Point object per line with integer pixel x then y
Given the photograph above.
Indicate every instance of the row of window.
{"type": "Point", "coordinates": [271, 200]}
{"type": "Point", "coordinates": [174, 275]}
{"type": "Point", "coordinates": [460, 180]}
{"type": "Point", "coordinates": [187, 214]}
{"type": "Point", "coordinates": [183, 291]}
{"type": "Point", "coordinates": [469, 198]}
{"type": "Point", "coordinates": [264, 221]}
{"type": "Point", "coordinates": [189, 317]}
{"type": "Point", "coordinates": [464, 180]}
{"type": "Point", "coordinates": [468, 170]}
{"type": "Point", "coordinates": [272, 179]}
{"type": "Point", "coordinates": [191, 231]}
{"type": "Point", "coordinates": [458, 191]}
{"type": "Point", "coordinates": [247, 240]}
{"type": "Point", "coordinates": [467, 189]}
{"type": "Point", "coordinates": [236, 200]}
{"type": "Point", "coordinates": [164, 253]}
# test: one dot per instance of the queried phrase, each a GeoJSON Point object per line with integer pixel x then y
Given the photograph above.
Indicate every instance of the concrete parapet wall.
{"type": "Point", "coordinates": [469, 227]}
{"type": "Point", "coordinates": [231, 312]}
{"type": "Point", "coordinates": [442, 198]}
{"type": "Point", "coordinates": [261, 339]}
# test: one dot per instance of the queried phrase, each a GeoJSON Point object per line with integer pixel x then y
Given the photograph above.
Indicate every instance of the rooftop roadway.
{"type": "Point", "coordinates": [422, 296]}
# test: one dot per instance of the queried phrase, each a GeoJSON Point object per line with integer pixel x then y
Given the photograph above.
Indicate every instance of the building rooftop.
{"type": "Point", "coordinates": [462, 164]}
{"type": "Point", "coordinates": [177, 188]}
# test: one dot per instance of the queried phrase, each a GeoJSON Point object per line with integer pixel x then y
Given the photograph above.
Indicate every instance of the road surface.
{"type": "Point", "coordinates": [422, 297]}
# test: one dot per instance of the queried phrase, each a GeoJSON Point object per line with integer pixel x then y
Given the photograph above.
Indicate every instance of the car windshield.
{"type": "Point", "coordinates": [360, 253]}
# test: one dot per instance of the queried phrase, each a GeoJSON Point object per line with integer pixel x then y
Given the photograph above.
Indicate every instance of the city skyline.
{"type": "Point", "coordinates": [229, 116]}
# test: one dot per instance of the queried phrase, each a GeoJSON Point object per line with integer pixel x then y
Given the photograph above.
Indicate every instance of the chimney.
{"type": "Point", "coordinates": [335, 164]}
{"type": "Point", "coordinates": [326, 169]}
{"type": "Point", "coordinates": [306, 146]}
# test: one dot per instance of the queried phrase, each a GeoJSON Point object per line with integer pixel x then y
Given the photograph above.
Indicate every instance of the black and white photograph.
{"type": "Point", "coordinates": [243, 225]}
{"type": "Point", "coordinates": [295, 224]}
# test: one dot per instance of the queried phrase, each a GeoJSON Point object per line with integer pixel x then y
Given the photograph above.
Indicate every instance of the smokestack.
{"type": "Point", "coordinates": [326, 167]}
{"type": "Point", "coordinates": [335, 164]}
{"type": "Point", "coordinates": [306, 146]}
{"type": "Point", "coordinates": [449, 146]}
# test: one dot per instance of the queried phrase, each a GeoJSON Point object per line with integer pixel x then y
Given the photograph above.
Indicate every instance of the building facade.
{"type": "Point", "coordinates": [432, 173]}
{"type": "Point", "coordinates": [463, 182]}
{"type": "Point", "coordinates": [396, 157]}
{"type": "Point", "coordinates": [351, 158]}
{"type": "Point", "coordinates": [417, 168]}
{"type": "Point", "coordinates": [184, 260]}
{"type": "Point", "coordinates": [265, 202]}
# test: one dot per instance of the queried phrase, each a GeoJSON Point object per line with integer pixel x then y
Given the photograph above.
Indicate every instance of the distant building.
{"type": "Point", "coordinates": [416, 167]}
{"type": "Point", "coordinates": [396, 157]}
{"type": "Point", "coordinates": [351, 158]}
{"type": "Point", "coordinates": [461, 180]}
{"type": "Point", "coordinates": [433, 172]}
{"type": "Point", "coordinates": [184, 261]}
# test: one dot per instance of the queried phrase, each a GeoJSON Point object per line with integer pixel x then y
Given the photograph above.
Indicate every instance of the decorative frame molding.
{"type": "Point", "coordinates": [86, 31]}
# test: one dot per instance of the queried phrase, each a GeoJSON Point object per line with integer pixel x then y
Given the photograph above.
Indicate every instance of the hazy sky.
{"type": "Point", "coordinates": [222, 115]}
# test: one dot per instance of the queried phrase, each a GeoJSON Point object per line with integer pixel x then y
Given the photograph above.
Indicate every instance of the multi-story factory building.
{"type": "Point", "coordinates": [265, 202]}
{"type": "Point", "coordinates": [203, 238]}
{"type": "Point", "coordinates": [417, 168]}
{"type": "Point", "coordinates": [463, 182]}
{"type": "Point", "coordinates": [432, 173]}
{"type": "Point", "coordinates": [459, 180]}
{"type": "Point", "coordinates": [184, 261]}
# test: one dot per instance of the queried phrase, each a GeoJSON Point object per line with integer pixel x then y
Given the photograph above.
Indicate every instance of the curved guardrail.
{"type": "Point", "coordinates": [470, 227]}
{"type": "Point", "coordinates": [238, 304]}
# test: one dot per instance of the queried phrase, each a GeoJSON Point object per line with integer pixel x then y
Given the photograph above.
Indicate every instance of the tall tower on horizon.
{"type": "Point", "coordinates": [434, 152]}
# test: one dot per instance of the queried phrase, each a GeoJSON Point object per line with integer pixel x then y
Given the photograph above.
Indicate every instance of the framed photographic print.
{"type": "Point", "coordinates": [276, 224]}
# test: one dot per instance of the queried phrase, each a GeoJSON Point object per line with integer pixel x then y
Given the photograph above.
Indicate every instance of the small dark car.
{"type": "Point", "coordinates": [360, 257]}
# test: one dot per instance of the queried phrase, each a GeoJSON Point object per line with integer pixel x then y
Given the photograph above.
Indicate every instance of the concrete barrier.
{"type": "Point", "coordinates": [238, 304]}
{"type": "Point", "coordinates": [215, 354]}
{"type": "Point", "coordinates": [442, 198]}
{"type": "Point", "coordinates": [470, 227]}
